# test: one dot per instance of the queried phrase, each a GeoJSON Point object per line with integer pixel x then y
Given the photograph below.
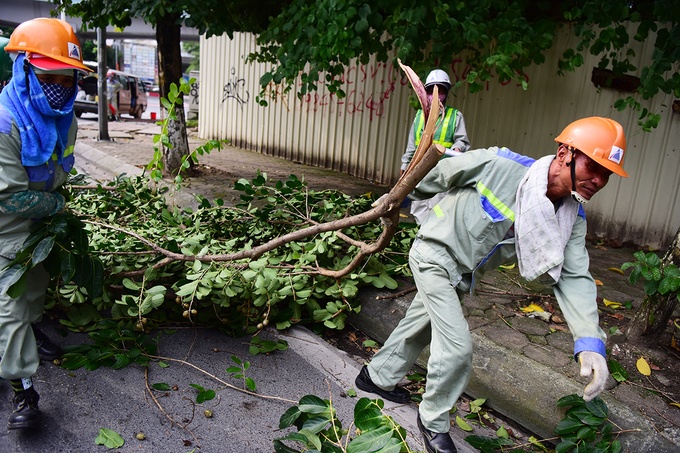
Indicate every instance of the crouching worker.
{"type": "Point", "coordinates": [505, 208]}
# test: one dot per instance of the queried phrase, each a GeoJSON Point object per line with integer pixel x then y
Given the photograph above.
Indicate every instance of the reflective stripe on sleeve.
{"type": "Point", "coordinates": [494, 202]}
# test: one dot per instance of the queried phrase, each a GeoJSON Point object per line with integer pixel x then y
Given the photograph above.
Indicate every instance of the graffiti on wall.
{"type": "Point", "coordinates": [193, 96]}
{"type": "Point", "coordinates": [368, 89]}
{"type": "Point", "coordinates": [274, 92]}
{"type": "Point", "coordinates": [358, 80]}
{"type": "Point", "coordinates": [235, 88]}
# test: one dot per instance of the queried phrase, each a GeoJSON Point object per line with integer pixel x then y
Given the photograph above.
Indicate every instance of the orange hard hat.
{"type": "Point", "coordinates": [49, 44]}
{"type": "Point", "coordinates": [601, 139]}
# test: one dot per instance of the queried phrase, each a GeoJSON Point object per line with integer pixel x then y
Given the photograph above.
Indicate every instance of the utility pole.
{"type": "Point", "coordinates": [103, 106]}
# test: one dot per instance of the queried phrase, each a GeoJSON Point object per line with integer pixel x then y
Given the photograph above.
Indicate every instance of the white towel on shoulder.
{"type": "Point", "coordinates": [541, 234]}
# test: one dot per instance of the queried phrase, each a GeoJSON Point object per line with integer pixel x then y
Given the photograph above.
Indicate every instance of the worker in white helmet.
{"type": "Point", "coordinates": [450, 133]}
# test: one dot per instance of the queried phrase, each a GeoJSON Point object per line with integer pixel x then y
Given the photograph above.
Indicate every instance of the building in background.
{"type": "Point", "coordinates": [139, 58]}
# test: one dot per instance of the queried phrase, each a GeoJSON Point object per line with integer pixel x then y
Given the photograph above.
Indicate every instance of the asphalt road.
{"type": "Point", "coordinates": [75, 405]}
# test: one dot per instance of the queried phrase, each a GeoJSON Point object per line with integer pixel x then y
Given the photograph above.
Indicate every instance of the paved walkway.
{"type": "Point", "coordinates": [522, 364]}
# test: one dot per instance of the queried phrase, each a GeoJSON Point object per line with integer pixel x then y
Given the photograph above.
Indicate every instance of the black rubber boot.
{"type": "Point", "coordinates": [46, 349]}
{"type": "Point", "coordinates": [26, 413]}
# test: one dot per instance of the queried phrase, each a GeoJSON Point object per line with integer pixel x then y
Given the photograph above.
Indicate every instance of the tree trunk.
{"type": "Point", "coordinates": [651, 319]}
{"type": "Point", "coordinates": [170, 70]}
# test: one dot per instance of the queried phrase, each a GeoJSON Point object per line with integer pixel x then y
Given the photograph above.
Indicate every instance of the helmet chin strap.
{"type": "Point", "coordinates": [574, 194]}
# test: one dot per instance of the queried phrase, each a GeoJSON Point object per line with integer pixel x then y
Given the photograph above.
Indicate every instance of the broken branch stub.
{"type": "Point", "coordinates": [418, 87]}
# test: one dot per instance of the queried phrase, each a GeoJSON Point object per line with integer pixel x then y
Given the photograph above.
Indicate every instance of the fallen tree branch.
{"type": "Point", "coordinates": [387, 209]}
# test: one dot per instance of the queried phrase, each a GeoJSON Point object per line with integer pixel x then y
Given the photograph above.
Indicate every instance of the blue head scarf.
{"type": "Point", "coordinates": [43, 129]}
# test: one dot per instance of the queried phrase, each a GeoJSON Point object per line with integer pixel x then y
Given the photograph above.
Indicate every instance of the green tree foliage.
{"type": "Point", "coordinates": [193, 49]}
{"type": "Point", "coordinates": [498, 38]}
{"type": "Point", "coordinates": [315, 40]}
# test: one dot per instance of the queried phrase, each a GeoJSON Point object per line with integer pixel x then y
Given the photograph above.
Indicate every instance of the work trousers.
{"type": "Point", "coordinates": [435, 317]}
{"type": "Point", "coordinates": [17, 342]}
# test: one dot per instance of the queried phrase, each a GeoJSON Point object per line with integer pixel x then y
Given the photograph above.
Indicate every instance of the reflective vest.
{"type": "Point", "coordinates": [444, 134]}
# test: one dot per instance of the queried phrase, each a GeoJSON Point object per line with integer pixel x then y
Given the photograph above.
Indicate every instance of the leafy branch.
{"type": "Point", "coordinates": [656, 277]}
{"type": "Point", "coordinates": [319, 428]}
{"type": "Point", "coordinates": [584, 428]}
{"type": "Point", "coordinates": [175, 98]}
{"type": "Point", "coordinates": [661, 283]}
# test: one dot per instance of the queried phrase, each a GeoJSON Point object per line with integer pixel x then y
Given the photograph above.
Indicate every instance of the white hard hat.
{"type": "Point", "coordinates": [438, 77]}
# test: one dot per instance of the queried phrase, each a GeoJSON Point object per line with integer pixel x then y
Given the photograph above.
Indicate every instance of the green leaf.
{"type": "Point", "coordinates": [368, 414]}
{"type": "Point", "coordinates": [462, 424]}
{"type": "Point", "coordinates": [312, 404]}
{"type": "Point", "coordinates": [502, 433]}
{"type": "Point", "coordinates": [586, 417]}
{"type": "Point", "coordinates": [42, 250]}
{"type": "Point", "coordinates": [289, 417]}
{"type": "Point", "coordinates": [586, 433]}
{"type": "Point", "coordinates": [369, 441]}
{"type": "Point", "coordinates": [67, 267]}
{"type": "Point", "coordinates": [312, 439]}
{"type": "Point", "coordinates": [161, 386]}
{"type": "Point", "coordinates": [122, 361]}
{"type": "Point", "coordinates": [565, 446]}
{"type": "Point", "coordinates": [16, 284]}
{"type": "Point", "coordinates": [280, 447]}
{"type": "Point", "coordinates": [83, 314]}
{"type": "Point", "coordinates": [129, 284]}
{"type": "Point", "coordinates": [598, 408]}
{"type": "Point", "coordinates": [617, 371]}
{"type": "Point", "coordinates": [200, 388]}
{"type": "Point", "coordinates": [316, 424]}
{"type": "Point", "coordinates": [72, 361]}
{"type": "Point", "coordinates": [570, 400]}
{"type": "Point", "coordinates": [109, 438]}
{"type": "Point", "coordinates": [568, 426]}
{"type": "Point", "coordinates": [207, 395]}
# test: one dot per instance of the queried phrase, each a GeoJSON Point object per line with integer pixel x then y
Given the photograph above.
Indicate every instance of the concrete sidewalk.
{"type": "Point", "coordinates": [522, 365]}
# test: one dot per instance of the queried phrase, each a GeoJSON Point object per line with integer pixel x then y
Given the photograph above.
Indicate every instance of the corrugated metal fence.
{"type": "Point", "coordinates": [365, 133]}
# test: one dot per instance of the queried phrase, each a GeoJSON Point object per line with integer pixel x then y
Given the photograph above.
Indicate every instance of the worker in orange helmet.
{"type": "Point", "coordinates": [500, 207]}
{"type": "Point", "coordinates": [37, 133]}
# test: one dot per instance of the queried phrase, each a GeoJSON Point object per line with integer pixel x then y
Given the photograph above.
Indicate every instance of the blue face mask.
{"type": "Point", "coordinates": [57, 94]}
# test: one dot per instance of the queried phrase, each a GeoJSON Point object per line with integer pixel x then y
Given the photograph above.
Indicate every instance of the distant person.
{"type": "Point", "coordinates": [500, 207]}
{"type": "Point", "coordinates": [133, 95]}
{"type": "Point", "coordinates": [450, 133]}
{"type": "Point", "coordinates": [113, 86]}
{"type": "Point", "coordinates": [37, 133]}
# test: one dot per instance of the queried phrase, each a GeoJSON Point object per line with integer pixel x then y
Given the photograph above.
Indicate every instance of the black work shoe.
{"type": "Point", "coordinates": [26, 413]}
{"type": "Point", "coordinates": [364, 382]}
{"type": "Point", "coordinates": [46, 349]}
{"type": "Point", "coordinates": [436, 442]}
